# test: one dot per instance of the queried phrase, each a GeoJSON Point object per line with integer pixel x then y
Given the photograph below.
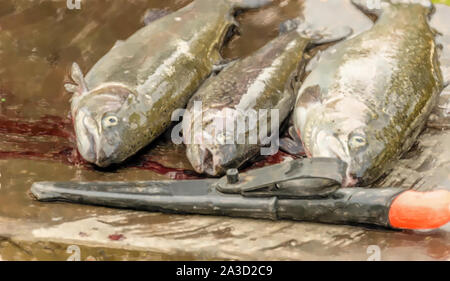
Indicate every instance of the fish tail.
{"type": "Point", "coordinates": [316, 31]}
{"type": "Point", "coordinates": [248, 4]}
{"type": "Point", "coordinates": [376, 7]}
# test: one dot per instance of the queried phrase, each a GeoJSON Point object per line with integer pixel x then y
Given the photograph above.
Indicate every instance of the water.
{"type": "Point", "coordinates": [39, 40]}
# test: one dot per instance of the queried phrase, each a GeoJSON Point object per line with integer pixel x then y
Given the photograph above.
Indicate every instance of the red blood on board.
{"type": "Point", "coordinates": [116, 237]}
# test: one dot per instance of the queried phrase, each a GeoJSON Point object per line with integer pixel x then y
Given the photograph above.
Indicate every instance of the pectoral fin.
{"type": "Point", "coordinates": [292, 147]}
{"type": "Point", "coordinates": [292, 144]}
{"type": "Point", "coordinates": [80, 86]}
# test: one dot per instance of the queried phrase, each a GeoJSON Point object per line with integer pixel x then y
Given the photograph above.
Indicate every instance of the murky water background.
{"type": "Point", "coordinates": [39, 40]}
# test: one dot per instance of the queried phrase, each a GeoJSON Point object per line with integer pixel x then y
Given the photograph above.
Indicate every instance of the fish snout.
{"type": "Point", "coordinates": [205, 160]}
{"type": "Point", "coordinates": [88, 140]}
{"type": "Point", "coordinates": [351, 179]}
{"type": "Point", "coordinates": [331, 146]}
{"type": "Point", "coordinates": [84, 127]}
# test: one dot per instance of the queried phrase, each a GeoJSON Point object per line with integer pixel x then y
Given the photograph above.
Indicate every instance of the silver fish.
{"type": "Point", "coordinates": [369, 97]}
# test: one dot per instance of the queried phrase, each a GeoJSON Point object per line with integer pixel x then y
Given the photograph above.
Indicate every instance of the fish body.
{"type": "Point", "coordinates": [126, 100]}
{"type": "Point", "coordinates": [369, 97]}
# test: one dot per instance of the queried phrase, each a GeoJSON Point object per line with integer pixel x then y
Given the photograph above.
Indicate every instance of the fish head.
{"type": "Point", "coordinates": [102, 125]}
{"type": "Point", "coordinates": [212, 147]}
{"type": "Point", "coordinates": [213, 159]}
{"type": "Point", "coordinates": [343, 132]}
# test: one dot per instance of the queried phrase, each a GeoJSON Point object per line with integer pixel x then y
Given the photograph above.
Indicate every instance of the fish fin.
{"type": "Point", "coordinates": [293, 134]}
{"type": "Point", "coordinates": [118, 43]}
{"type": "Point", "coordinates": [289, 25]}
{"type": "Point", "coordinates": [376, 7]}
{"type": "Point", "coordinates": [292, 147]}
{"type": "Point", "coordinates": [71, 88]}
{"type": "Point", "coordinates": [152, 15]}
{"type": "Point", "coordinates": [328, 35]}
{"type": "Point", "coordinates": [224, 64]}
{"type": "Point", "coordinates": [314, 61]}
{"type": "Point", "coordinates": [371, 7]}
{"type": "Point", "coordinates": [439, 23]}
{"type": "Point", "coordinates": [319, 33]}
{"type": "Point", "coordinates": [292, 144]}
{"type": "Point", "coordinates": [310, 95]}
{"type": "Point", "coordinates": [249, 4]}
{"type": "Point", "coordinates": [80, 84]}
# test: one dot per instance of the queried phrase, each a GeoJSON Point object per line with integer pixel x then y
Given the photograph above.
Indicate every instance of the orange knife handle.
{"type": "Point", "coordinates": [420, 210]}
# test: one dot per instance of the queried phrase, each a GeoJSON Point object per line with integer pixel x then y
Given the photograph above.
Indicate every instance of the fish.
{"type": "Point", "coordinates": [222, 125]}
{"type": "Point", "coordinates": [368, 98]}
{"type": "Point", "coordinates": [127, 98]}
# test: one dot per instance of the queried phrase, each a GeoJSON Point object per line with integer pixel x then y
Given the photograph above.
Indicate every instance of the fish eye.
{"type": "Point", "coordinates": [357, 142]}
{"type": "Point", "coordinates": [110, 121]}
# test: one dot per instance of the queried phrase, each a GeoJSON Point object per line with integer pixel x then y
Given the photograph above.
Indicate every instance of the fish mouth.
{"type": "Point", "coordinates": [335, 148]}
{"type": "Point", "coordinates": [88, 141]}
{"type": "Point", "coordinates": [205, 161]}
{"type": "Point", "coordinates": [350, 179]}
